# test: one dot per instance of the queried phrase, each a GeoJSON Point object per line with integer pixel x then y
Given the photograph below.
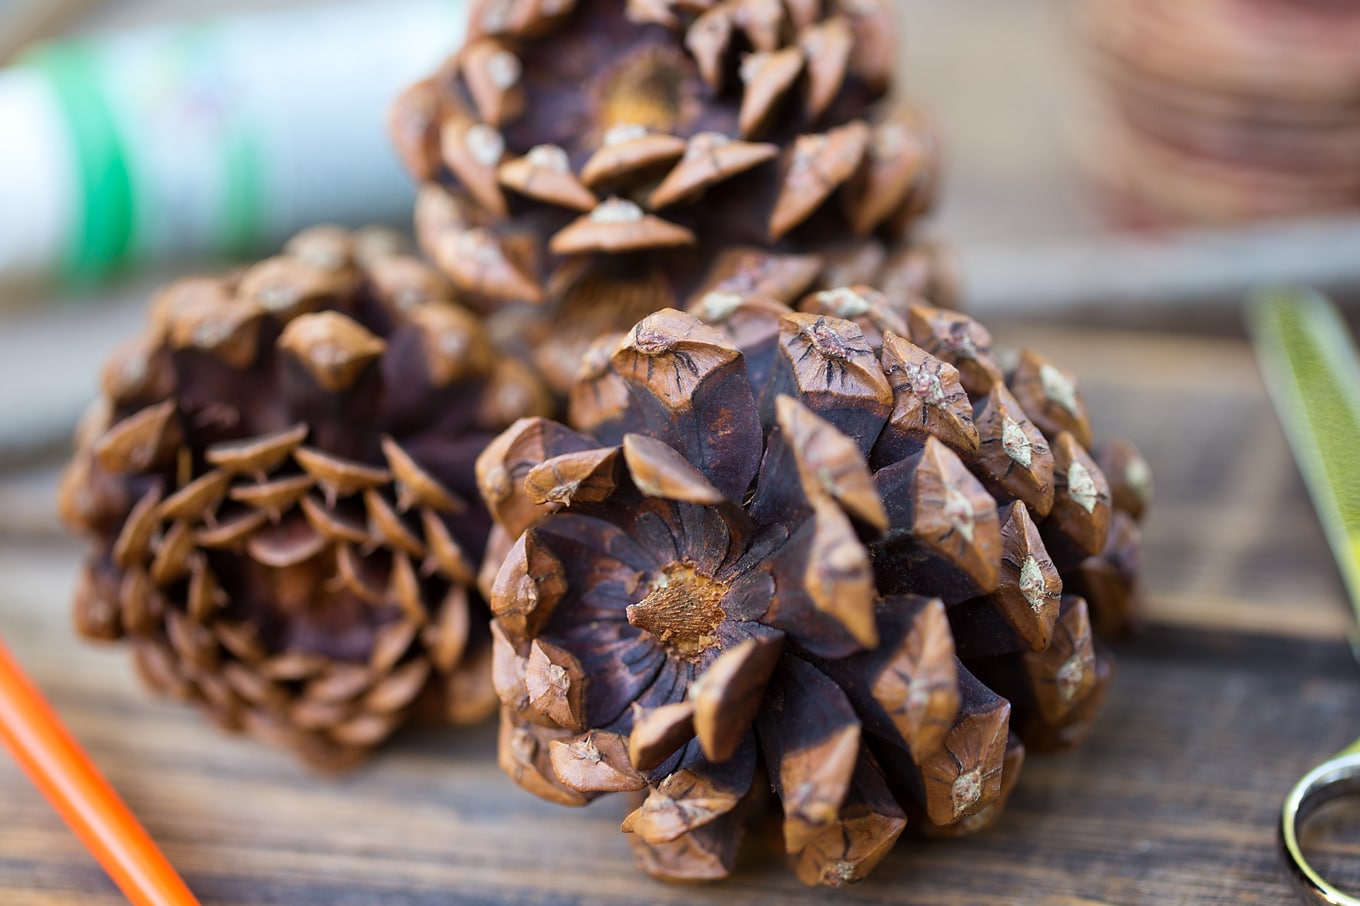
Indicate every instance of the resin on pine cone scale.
{"type": "Point", "coordinates": [794, 545]}
{"type": "Point", "coordinates": [606, 160]}
{"type": "Point", "coordinates": [278, 491]}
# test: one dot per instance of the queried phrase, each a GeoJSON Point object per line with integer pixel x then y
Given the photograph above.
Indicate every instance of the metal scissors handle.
{"type": "Point", "coordinates": [1336, 777]}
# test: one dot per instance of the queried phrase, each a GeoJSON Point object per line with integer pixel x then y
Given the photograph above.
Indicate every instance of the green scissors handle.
{"type": "Point", "coordinates": [1312, 370]}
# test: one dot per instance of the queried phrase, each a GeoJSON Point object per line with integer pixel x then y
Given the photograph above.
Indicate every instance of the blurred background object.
{"type": "Point", "coordinates": [204, 139]}
{"type": "Point", "coordinates": [1219, 111]}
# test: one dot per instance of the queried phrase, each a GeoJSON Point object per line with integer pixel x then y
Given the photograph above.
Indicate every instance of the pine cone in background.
{"type": "Point", "coordinates": [588, 163]}
{"type": "Point", "coordinates": [278, 489]}
{"type": "Point", "coordinates": [829, 551]}
{"type": "Point", "coordinates": [1227, 110]}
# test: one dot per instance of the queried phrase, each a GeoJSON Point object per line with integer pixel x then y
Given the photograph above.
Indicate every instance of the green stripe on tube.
{"type": "Point", "coordinates": [104, 239]}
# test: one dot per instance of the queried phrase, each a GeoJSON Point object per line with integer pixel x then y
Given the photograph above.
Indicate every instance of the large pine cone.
{"type": "Point", "coordinates": [278, 489]}
{"type": "Point", "coordinates": [832, 551]}
{"type": "Point", "coordinates": [605, 159]}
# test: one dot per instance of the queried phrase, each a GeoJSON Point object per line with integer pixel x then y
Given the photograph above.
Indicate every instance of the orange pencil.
{"type": "Point", "coordinates": [30, 729]}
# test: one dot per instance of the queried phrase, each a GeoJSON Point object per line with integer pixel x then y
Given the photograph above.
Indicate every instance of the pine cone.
{"type": "Point", "coordinates": [830, 550]}
{"type": "Point", "coordinates": [278, 489]}
{"type": "Point", "coordinates": [603, 160]}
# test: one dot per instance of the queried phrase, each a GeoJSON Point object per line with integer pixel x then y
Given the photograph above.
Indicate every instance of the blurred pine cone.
{"type": "Point", "coordinates": [278, 491]}
{"type": "Point", "coordinates": [829, 550]}
{"type": "Point", "coordinates": [589, 163]}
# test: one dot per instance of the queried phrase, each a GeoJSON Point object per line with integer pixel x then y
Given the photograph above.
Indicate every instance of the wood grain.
{"type": "Point", "coordinates": [1242, 683]}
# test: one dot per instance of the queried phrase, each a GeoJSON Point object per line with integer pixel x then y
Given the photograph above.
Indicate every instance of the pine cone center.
{"type": "Point", "coordinates": [683, 609]}
{"type": "Point", "coordinates": [646, 90]}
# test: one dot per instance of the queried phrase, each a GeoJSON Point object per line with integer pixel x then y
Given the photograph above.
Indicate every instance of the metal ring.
{"type": "Point", "coordinates": [1330, 780]}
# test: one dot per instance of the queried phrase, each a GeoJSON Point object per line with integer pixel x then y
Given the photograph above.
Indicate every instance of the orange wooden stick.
{"type": "Point", "coordinates": [30, 729]}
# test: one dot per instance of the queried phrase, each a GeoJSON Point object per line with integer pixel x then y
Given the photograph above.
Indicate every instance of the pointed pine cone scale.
{"type": "Point", "coordinates": [274, 497]}
{"type": "Point", "coordinates": [599, 397]}
{"type": "Point", "coordinates": [960, 341]}
{"type": "Point", "coordinates": [824, 586]}
{"type": "Point", "coordinates": [333, 348]}
{"type": "Point", "coordinates": [479, 263]}
{"type": "Point", "coordinates": [656, 12]}
{"type": "Point", "coordinates": [140, 442]}
{"type": "Point", "coordinates": [554, 682]}
{"type": "Point", "coordinates": [256, 455]}
{"type": "Point", "coordinates": [1128, 474]}
{"type": "Point", "coordinates": [751, 325]}
{"type": "Point", "coordinates": [870, 309]}
{"type": "Point", "coordinates": [683, 374]}
{"type": "Point", "coordinates": [768, 77]}
{"type": "Point", "coordinates": [964, 777]}
{"type": "Point", "coordinates": [1064, 674]}
{"type": "Point", "coordinates": [472, 151]}
{"type": "Point", "coordinates": [945, 539]}
{"type": "Point", "coordinates": [743, 273]}
{"type": "Point", "coordinates": [595, 762]}
{"type": "Point", "coordinates": [727, 696]}
{"type": "Point", "coordinates": [339, 477]}
{"type": "Point", "coordinates": [285, 287]}
{"type": "Point", "coordinates": [817, 165]}
{"type": "Point", "coordinates": [231, 531]}
{"type": "Point", "coordinates": [709, 41]}
{"type": "Point", "coordinates": [588, 476]}
{"type": "Point", "coordinates": [830, 463]}
{"type": "Point", "coordinates": [288, 543]}
{"type": "Point", "coordinates": [658, 470]}
{"type": "Point", "coordinates": [528, 587]}
{"type": "Point", "coordinates": [928, 401]}
{"type": "Point", "coordinates": [628, 151]}
{"type": "Point", "coordinates": [869, 823]}
{"type": "Point", "coordinates": [898, 164]}
{"type": "Point", "coordinates": [1073, 729]}
{"type": "Point", "coordinates": [875, 52]}
{"type": "Point", "coordinates": [523, 753]}
{"type": "Point", "coordinates": [906, 690]}
{"type": "Point", "coordinates": [1079, 523]}
{"type": "Point", "coordinates": [811, 740]}
{"type": "Point", "coordinates": [413, 127]}
{"type": "Point", "coordinates": [1014, 459]}
{"type": "Point", "coordinates": [134, 542]}
{"type": "Point", "coordinates": [698, 792]}
{"type": "Point", "coordinates": [453, 342]}
{"type": "Point", "coordinates": [1030, 582]}
{"type": "Point", "coordinates": [658, 732]}
{"type": "Point", "coordinates": [492, 73]}
{"type": "Point", "coordinates": [196, 499]}
{"type": "Point", "coordinates": [827, 46]}
{"type": "Point", "coordinates": [228, 331]}
{"type": "Point", "coordinates": [617, 226]}
{"type": "Point", "coordinates": [341, 525]}
{"type": "Point", "coordinates": [710, 158]}
{"type": "Point", "coordinates": [987, 816]}
{"type": "Point", "coordinates": [387, 527]}
{"type": "Point", "coordinates": [415, 486]}
{"type": "Point", "coordinates": [707, 853]}
{"type": "Point", "coordinates": [1051, 398]}
{"type": "Point", "coordinates": [518, 18]}
{"type": "Point", "coordinates": [504, 466]}
{"type": "Point", "coordinates": [544, 174]}
{"type": "Point", "coordinates": [1109, 582]}
{"type": "Point", "coordinates": [829, 366]}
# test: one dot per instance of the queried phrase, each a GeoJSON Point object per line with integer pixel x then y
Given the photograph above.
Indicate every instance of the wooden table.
{"type": "Point", "coordinates": [1241, 683]}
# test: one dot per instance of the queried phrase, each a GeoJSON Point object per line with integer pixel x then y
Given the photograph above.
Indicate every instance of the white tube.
{"type": "Point", "coordinates": [222, 137]}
